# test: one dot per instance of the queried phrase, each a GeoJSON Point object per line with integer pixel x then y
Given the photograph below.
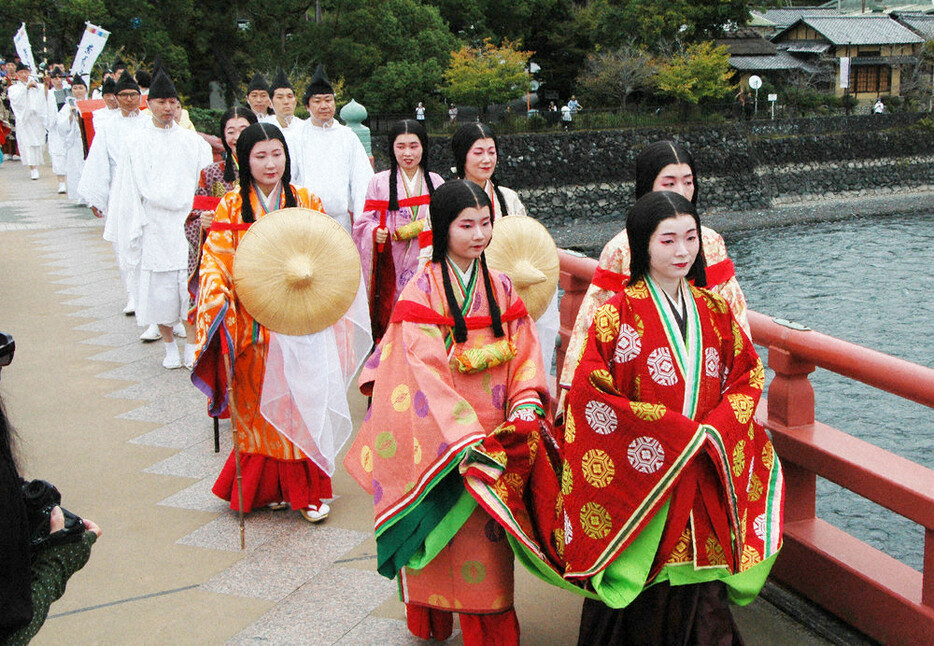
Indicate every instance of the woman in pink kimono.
{"type": "Point", "coordinates": [396, 212]}
{"type": "Point", "coordinates": [459, 360]}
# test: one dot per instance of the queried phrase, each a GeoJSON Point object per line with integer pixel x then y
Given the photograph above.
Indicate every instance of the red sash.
{"type": "Point", "coordinates": [717, 274]}
{"type": "Point", "coordinates": [418, 313]}
{"type": "Point", "coordinates": [230, 226]}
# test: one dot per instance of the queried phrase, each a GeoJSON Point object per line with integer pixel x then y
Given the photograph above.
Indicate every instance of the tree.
{"type": "Point", "coordinates": [611, 76]}
{"type": "Point", "coordinates": [701, 72]}
{"type": "Point", "coordinates": [487, 74]}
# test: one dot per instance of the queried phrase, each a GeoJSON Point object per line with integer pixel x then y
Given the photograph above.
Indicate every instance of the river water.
{"type": "Point", "coordinates": [870, 282]}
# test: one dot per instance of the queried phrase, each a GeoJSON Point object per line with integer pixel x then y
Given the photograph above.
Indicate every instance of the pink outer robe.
{"type": "Point", "coordinates": [425, 415]}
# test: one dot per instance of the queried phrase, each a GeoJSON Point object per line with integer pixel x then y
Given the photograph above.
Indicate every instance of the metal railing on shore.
{"type": "Point", "coordinates": [879, 595]}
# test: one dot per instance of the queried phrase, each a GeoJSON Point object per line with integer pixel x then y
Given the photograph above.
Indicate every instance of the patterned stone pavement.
{"type": "Point", "coordinates": [168, 568]}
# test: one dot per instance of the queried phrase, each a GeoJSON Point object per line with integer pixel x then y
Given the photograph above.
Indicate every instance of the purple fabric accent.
{"type": "Point", "coordinates": [421, 404]}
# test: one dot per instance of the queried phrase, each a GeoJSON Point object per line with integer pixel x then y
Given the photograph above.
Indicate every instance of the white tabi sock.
{"type": "Point", "coordinates": [189, 353]}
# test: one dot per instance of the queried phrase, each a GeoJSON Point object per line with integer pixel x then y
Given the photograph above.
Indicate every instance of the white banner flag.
{"type": "Point", "coordinates": [24, 49]}
{"type": "Point", "coordinates": [92, 44]}
{"type": "Point", "coordinates": [844, 72]}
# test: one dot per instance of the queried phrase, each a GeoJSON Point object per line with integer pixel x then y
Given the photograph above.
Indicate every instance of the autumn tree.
{"type": "Point", "coordinates": [701, 71]}
{"type": "Point", "coordinates": [612, 76]}
{"type": "Point", "coordinates": [487, 74]}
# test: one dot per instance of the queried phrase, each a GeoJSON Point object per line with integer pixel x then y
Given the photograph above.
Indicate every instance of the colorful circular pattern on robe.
{"type": "Point", "coordinates": [737, 339]}
{"type": "Point", "coordinates": [754, 490]}
{"type": "Point", "coordinates": [768, 455]}
{"type": "Point", "coordinates": [600, 417]}
{"type": "Point", "coordinates": [606, 323]}
{"type": "Point", "coordinates": [648, 412]}
{"type": "Point", "coordinates": [385, 445]}
{"type": "Point", "coordinates": [628, 344]}
{"type": "Point", "coordinates": [377, 492]}
{"type": "Point", "coordinates": [759, 525]}
{"type": "Point", "coordinates": [568, 530]}
{"type": "Point", "coordinates": [661, 367]}
{"type": "Point", "coordinates": [750, 558]}
{"type": "Point", "coordinates": [711, 362]}
{"type": "Point", "coordinates": [499, 396]}
{"type": "Point", "coordinates": [569, 428]}
{"type": "Point", "coordinates": [385, 351]}
{"type": "Point", "coordinates": [596, 521]}
{"type": "Point", "coordinates": [602, 379]}
{"type": "Point", "coordinates": [373, 361]}
{"type": "Point", "coordinates": [646, 454]}
{"type": "Point", "coordinates": [739, 458]}
{"type": "Point", "coordinates": [638, 291]}
{"type": "Point", "coordinates": [473, 572]}
{"type": "Point", "coordinates": [366, 459]}
{"type": "Point", "coordinates": [567, 479]}
{"type": "Point", "coordinates": [421, 404]}
{"type": "Point", "coordinates": [401, 398]}
{"type": "Point", "coordinates": [714, 550]}
{"type": "Point", "coordinates": [437, 601]}
{"type": "Point", "coordinates": [527, 372]}
{"type": "Point", "coordinates": [743, 407]}
{"type": "Point", "coordinates": [757, 376]}
{"type": "Point", "coordinates": [493, 531]}
{"type": "Point", "coordinates": [464, 412]}
{"type": "Point", "coordinates": [598, 468]}
{"type": "Point", "coordinates": [416, 451]}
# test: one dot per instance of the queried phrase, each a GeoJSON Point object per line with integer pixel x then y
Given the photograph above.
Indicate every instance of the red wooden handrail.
{"type": "Point", "coordinates": [879, 595]}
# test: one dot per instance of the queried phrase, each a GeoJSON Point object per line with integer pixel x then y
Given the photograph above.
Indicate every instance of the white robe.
{"type": "Point", "coordinates": [151, 198]}
{"type": "Point", "coordinates": [293, 136]}
{"type": "Point", "coordinates": [332, 163]}
{"type": "Point", "coordinates": [56, 143]}
{"type": "Point", "coordinates": [68, 127]}
{"type": "Point", "coordinates": [110, 137]}
{"type": "Point", "coordinates": [29, 108]}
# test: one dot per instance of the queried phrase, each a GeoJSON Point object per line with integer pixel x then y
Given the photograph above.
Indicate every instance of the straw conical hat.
{"type": "Point", "coordinates": [524, 250]}
{"type": "Point", "coordinates": [296, 271]}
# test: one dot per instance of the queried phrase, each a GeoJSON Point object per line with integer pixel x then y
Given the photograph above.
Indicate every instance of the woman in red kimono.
{"type": "Point", "coordinates": [459, 359]}
{"type": "Point", "coordinates": [396, 212]}
{"type": "Point", "coordinates": [661, 166]}
{"type": "Point", "coordinates": [276, 473]}
{"type": "Point", "coordinates": [669, 493]}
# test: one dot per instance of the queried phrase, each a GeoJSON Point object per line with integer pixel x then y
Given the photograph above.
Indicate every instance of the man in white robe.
{"type": "Point", "coordinates": [152, 197]}
{"type": "Point", "coordinates": [283, 104]}
{"type": "Point", "coordinates": [55, 98]}
{"type": "Point", "coordinates": [68, 127]}
{"type": "Point", "coordinates": [257, 96]}
{"type": "Point", "coordinates": [97, 180]}
{"type": "Point", "coordinates": [107, 92]}
{"type": "Point", "coordinates": [27, 99]}
{"type": "Point", "coordinates": [330, 160]}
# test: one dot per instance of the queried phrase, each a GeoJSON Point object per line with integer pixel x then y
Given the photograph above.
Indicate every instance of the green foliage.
{"type": "Point", "coordinates": [701, 72]}
{"type": "Point", "coordinates": [487, 74]}
{"type": "Point", "coordinates": [206, 120]}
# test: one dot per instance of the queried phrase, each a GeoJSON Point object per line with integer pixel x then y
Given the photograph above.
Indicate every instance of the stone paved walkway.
{"type": "Point", "coordinates": [129, 444]}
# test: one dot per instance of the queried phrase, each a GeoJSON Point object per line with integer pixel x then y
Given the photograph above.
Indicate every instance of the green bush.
{"type": "Point", "coordinates": [206, 120]}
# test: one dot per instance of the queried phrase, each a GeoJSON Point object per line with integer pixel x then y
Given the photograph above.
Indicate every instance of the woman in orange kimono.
{"type": "Point", "coordinates": [459, 359]}
{"type": "Point", "coordinates": [276, 473]}
{"type": "Point", "coordinates": [662, 166]}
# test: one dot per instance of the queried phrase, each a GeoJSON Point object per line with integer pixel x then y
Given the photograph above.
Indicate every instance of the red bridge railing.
{"type": "Point", "coordinates": [879, 595]}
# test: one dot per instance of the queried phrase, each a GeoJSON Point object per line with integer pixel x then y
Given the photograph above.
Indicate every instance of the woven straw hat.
{"type": "Point", "coordinates": [523, 249]}
{"type": "Point", "coordinates": [296, 271]}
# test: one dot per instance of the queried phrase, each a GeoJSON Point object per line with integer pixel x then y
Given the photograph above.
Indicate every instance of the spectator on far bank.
{"type": "Point", "coordinates": [574, 105]}
{"type": "Point", "coordinates": [420, 112]}
{"type": "Point", "coordinates": [452, 112]}
{"type": "Point", "coordinates": [879, 107]}
{"type": "Point", "coordinates": [567, 116]}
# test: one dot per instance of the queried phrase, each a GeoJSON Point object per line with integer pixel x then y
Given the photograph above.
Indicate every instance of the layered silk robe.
{"type": "Point", "coordinates": [222, 320]}
{"type": "Point", "coordinates": [404, 226]}
{"type": "Point", "coordinates": [664, 473]}
{"type": "Point", "coordinates": [425, 415]}
{"type": "Point", "coordinates": [613, 272]}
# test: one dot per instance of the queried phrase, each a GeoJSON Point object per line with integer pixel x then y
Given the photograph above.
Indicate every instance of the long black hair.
{"type": "Point", "coordinates": [642, 221]}
{"type": "Point", "coordinates": [233, 113]}
{"type": "Point", "coordinates": [461, 143]}
{"type": "Point", "coordinates": [248, 138]}
{"type": "Point", "coordinates": [654, 158]}
{"type": "Point", "coordinates": [448, 202]}
{"type": "Point", "coordinates": [411, 127]}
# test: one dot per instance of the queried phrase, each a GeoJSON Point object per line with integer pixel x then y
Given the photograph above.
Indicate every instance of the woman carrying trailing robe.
{"type": "Point", "coordinates": [276, 473]}
{"type": "Point", "coordinates": [217, 180]}
{"type": "Point", "coordinates": [661, 166]}
{"type": "Point", "coordinates": [460, 358]}
{"type": "Point", "coordinates": [396, 212]}
{"type": "Point", "coordinates": [667, 500]}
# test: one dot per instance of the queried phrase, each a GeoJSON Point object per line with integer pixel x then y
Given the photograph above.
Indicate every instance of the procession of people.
{"type": "Point", "coordinates": [640, 480]}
